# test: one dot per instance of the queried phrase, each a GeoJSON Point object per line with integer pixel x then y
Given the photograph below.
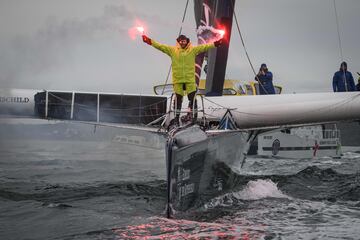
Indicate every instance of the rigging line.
{"type": "Point", "coordinates": [217, 104]}
{"type": "Point", "coordinates": [244, 46]}
{"type": "Point", "coordinates": [338, 31]}
{"type": "Point", "coordinates": [340, 43]}
{"type": "Point", "coordinates": [181, 27]}
{"type": "Point", "coordinates": [112, 125]}
{"type": "Point", "coordinates": [221, 107]}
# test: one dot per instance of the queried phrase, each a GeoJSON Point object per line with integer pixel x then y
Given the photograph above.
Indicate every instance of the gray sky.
{"type": "Point", "coordinates": [85, 45]}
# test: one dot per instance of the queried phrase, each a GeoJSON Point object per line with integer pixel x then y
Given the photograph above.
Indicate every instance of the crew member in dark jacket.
{"type": "Point", "coordinates": [265, 79]}
{"type": "Point", "coordinates": [358, 85]}
{"type": "Point", "coordinates": [343, 80]}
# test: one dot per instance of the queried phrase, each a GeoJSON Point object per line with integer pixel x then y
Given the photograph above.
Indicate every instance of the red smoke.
{"type": "Point", "coordinates": [138, 30]}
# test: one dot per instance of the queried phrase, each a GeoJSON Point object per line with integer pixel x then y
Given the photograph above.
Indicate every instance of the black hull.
{"type": "Point", "coordinates": [200, 171]}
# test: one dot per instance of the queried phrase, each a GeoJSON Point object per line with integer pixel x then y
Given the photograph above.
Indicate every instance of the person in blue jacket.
{"type": "Point", "coordinates": [343, 80]}
{"type": "Point", "coordinates": [358, 85]}
{"type": "Point", "coordinates": [265, 79]}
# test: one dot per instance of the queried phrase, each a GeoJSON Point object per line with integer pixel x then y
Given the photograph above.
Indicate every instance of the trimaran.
{"type": "Point", "coordinates": [203, 161]}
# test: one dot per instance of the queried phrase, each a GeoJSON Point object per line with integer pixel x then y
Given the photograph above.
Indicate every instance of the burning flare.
{"type": "Point", "coordinates": [222, 33]}
{"type": "Point", "coordinates": [137, 30]}
{"type": "Point", "coordinates": [140, 29]}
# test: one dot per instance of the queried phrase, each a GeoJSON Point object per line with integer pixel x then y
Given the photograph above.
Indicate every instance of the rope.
{"type": "Point", "coordinates": [112, 125]}
{"type": "Point", "coordinates": [340, 43]}
{"type": "Point", "coordinates": [221, 107]}
{"type": "Point", "coordinates": [338, 31]}
{"type": "Point", "coordinates": [244, 46]}
{"type": "Point", "coordinates": [181, 27]}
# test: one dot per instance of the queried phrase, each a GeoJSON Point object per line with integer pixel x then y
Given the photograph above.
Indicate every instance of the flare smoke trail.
{"type": "Point", "coordinates": [27, 59]}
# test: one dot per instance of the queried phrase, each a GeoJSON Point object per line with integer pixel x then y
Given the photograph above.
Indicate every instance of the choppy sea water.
{"type": "Point", "coordinates": [97, 189]}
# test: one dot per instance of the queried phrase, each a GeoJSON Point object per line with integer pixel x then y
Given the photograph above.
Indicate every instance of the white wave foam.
{"type": "Point", "coordinates": [254, 190]}
{"type": "Point", "coordinates": [351, 155]}
{"type": "Point", "coordinates": [259, 189]}
{"type": "Point", "coordinates": [332, 162]}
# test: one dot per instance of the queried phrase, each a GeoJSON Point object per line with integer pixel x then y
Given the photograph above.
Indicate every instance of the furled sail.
{"type": "Point", "coordinates": [285, 110]}
{"type": "Point", "coordinates": [212, 16]}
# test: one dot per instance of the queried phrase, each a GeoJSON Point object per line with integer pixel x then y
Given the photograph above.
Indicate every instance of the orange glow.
{"type": "Point", "coordinates": [172, 229]}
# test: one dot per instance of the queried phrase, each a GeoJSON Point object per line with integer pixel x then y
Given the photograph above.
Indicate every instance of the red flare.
{"type": "Point", "coordinates": [222, 33]}
{"type": "Point", "coordinates": [140, 29]}
{"type": "Point", "coordinates": [137, 30]}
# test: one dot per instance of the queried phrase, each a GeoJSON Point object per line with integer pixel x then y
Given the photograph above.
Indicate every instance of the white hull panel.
{"type": "Point", "coordinates": [271, 111]}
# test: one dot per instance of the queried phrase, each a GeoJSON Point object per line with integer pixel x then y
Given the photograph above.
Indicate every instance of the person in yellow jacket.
{"type": "Point", "coordinates": [183, 67]}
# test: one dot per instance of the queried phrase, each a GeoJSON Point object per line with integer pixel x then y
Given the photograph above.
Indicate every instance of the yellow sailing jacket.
{"type": "Point", "coordinates": [183, 60]}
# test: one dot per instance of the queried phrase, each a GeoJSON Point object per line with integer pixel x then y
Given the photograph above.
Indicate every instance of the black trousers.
{"type": "Point", "coordinates": [179, 98]}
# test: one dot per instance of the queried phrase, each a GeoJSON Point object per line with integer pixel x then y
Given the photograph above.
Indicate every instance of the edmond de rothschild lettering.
{"type": "Point", "coordinates": [14, 99]}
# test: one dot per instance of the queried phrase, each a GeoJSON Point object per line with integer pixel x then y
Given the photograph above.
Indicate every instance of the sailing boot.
{"type": "Point", "coordinates": [174, 123]}
{"type": "Point", "coordinates": [192, 109]}
{"type": "Point", "coordinates": [176, 120]}
{"type": "Point", "coordinates": [188, 118]}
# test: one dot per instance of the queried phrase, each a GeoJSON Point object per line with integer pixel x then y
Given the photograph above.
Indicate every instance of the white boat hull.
{"type": "Point", "coordinates": [292, 146]}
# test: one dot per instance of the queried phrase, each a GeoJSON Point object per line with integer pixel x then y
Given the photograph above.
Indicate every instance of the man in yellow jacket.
{"type": "Point", "coordinates": [183, 67]}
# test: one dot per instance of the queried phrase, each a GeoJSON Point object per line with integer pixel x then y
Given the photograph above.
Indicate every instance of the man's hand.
{"type": "Point", "coordinates": [146, 39]}
{"type": "Point", "coordinates": [261, 72]}
{"type": "Point", "coordinates": [218, 42]}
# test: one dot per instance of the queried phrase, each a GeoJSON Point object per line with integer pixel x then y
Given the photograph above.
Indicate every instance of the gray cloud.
{"type": "Point", "coordinates": [27, 55]}
{"type": "Point", "coordinates": [297, 39]}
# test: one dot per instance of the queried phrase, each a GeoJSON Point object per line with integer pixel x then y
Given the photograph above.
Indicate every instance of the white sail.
{"type": "Point", "coordinates": [269, 111]}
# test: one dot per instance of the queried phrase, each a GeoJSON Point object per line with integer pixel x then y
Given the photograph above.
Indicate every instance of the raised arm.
{"type": "Point", "coordinates": [162, 47]}
{"type": "Point", "coordinates": [203, 48]}
{"type": "Point", "coordinates": [206, 47]}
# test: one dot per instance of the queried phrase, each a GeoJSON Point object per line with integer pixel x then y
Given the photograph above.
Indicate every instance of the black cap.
{"type": "Point", "coordinates": [182, 37]}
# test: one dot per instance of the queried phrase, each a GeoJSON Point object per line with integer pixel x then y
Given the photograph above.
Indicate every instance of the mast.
{"type": "Point", "coordinates": [203, 14]}
{"type": "Point", "coordinates": [211, 16]}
